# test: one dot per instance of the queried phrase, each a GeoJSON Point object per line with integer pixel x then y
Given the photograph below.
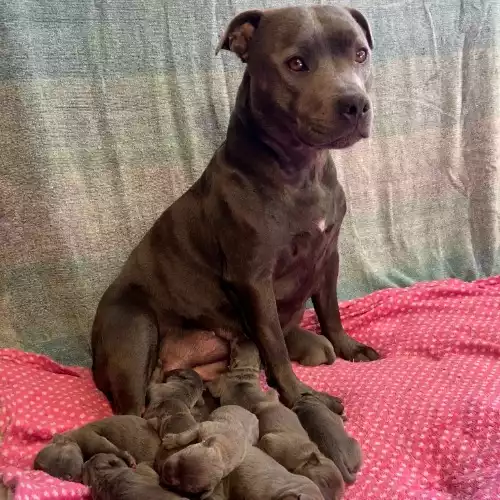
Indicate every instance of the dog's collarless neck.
{"type": "Point", "coordinates": [251, 145]}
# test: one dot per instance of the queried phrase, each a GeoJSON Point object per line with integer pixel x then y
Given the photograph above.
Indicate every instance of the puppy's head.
{"type": "Point", "coordinates": [310, 70]}
{"type": "Point", "coordinates": [62, 459]}
{"type": "Point", "coordinates": [197, 469]}
{"type": "Point", "coordinates": [99, 464]}
{"type": "Point", "coordinates": [245, 357]}
{"type": "Point", "coordinates": [324, 474]}
{"type": "Point", "coordinates": [183, 385]}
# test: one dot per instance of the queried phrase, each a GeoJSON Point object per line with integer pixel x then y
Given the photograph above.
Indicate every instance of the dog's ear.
{"type": "Point", "coordinates": [61, 439]}
{"type": "Point", "coordinates": [154, 423]}
{"type": "Point", "coordinates": [239, 33]}
{"type": "Point", "coordinates": [365, 26]}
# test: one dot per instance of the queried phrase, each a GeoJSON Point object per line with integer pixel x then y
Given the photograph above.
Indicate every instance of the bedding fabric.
{"type": "Point", "coordinates": [427, 415]}
{"type": "Point", "coordinates": [110, 109]}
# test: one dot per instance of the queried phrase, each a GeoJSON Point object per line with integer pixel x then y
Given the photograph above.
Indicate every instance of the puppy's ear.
{"type": "Point", "coordinates": [61, 439]}
{"type": "Point", "coordinates": [314, 459]}
{"type": "Point", "coordinates": [365, 26]}
{"type": "Point", "coordinates": [239, 33]}
{"type": "Point", "coordinates": [154, 423]}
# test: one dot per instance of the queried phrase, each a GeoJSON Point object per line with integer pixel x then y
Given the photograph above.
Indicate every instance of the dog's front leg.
{"type": "Point", "coordinates": [257, 305]}
{"type": "Point", "coordinates": [326, 305]}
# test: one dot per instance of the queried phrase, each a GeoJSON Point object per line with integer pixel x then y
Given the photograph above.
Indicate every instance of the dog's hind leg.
{"type": "Point", "coordinates": [124, 349]}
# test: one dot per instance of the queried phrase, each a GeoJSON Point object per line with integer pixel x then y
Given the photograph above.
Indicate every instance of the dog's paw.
{"type": "Point", "coordinates": [309, 349]}
{"type": "Point", "coordinates": [169, 441]}
{"type": "Point", "coordinates": [352, 350]}
{"type": "Point", "coordinates": [128, 458]}
{"type": "Point", "coordinates": [331, 402]}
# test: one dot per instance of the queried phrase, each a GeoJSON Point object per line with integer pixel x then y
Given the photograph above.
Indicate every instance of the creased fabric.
{"type": "Point", "coordinates": [110, 109]}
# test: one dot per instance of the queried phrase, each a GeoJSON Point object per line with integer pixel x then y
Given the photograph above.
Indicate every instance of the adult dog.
{"type": "Point", "coordinates": [244, 248]}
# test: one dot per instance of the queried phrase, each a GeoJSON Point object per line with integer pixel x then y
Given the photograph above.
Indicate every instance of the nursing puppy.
{"type": "Point", "coordinates": [282, 436]}
{"type": "Point", "coordinates": [171, 406]}
{"type": "Point", "coordinates": [327, 430]}
{"type": "Point", "coordinates": [260, 477]}
{"type": "Point", "coordinates": [129, 437]}
{"type": "Point", "coordinates": [183, 386]}
{"type": "Point", "coordinates": [214, 448]}
{"type": "Point", "coordinates": [109, 478]}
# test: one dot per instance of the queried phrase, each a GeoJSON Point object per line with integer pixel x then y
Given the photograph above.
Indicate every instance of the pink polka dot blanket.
{"type": "Point", "coordinates": [427, 415]}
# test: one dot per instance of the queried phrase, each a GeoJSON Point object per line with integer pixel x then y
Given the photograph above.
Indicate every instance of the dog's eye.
{"type": "Point", "coordinates": [297, 64]}
{"type": "Point", "coordinates": [361, 55]}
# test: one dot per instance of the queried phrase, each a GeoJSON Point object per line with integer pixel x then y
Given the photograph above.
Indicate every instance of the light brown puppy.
{"type": "Point", "coordinates": [327, 430]}
{"type": "Point", "coordinates": [172, 401]}
{"type": "Point", "coordinates": [109, 478]}
{"type": "Point", "coordinates": [171, 405]}
{"type": "Point", "coordinates": [282, 436]}
{"type": "Point", "coordinates": [216, 448]}
{"type": "Point", "coordinates": [260, 477]}
{"type": "Point", "coordinates": [131, 438]}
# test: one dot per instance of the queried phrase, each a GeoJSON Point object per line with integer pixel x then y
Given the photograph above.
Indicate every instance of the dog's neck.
{"type": "Point", "coordinates": [254, 141]}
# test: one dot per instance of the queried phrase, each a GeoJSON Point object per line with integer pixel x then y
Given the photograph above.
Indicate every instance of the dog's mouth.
{"type": "Point", "coordinates": [318, 136]}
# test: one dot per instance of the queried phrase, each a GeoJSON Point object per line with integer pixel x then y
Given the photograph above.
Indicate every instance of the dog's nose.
{"type": "Point", "coordinates": [353, 106]}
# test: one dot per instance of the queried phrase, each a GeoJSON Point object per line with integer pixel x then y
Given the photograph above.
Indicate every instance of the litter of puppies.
{"type": "Point", "coordinates": [249, 447]}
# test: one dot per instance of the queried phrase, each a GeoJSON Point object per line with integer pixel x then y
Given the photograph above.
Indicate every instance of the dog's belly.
{"type": "Point", "coordinates": [206, 352]}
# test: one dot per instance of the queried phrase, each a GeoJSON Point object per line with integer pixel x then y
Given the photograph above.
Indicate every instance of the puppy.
{"type": "Point", "coordinates": [219, 446]}
{"type": "Point", "coordinates": [327, 430]}
{"type": "Point", "coordinates": [260, 477]}
{"type": "Point", "coordinates": [129, 437]}
{"type": "Point", "coordinates": [282, 436]}
{"type": "Point", "coordinates": [109, 478]}
{"type": "Point", "coordinates": [171, 407]}
{"type": "Point", "coordinates": [170, 404]}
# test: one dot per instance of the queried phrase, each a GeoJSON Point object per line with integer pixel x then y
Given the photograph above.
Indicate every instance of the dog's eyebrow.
{"type": "Point", "coordinates": [342, 40]}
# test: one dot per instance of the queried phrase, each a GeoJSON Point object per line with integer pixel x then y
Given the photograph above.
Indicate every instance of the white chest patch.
{"type": "Point", "coordinates": [322, 225]}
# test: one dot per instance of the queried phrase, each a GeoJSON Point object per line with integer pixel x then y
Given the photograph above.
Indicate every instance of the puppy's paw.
{"type": "Point", "coordinates": [352, 350]}
{"type": "Point", "coordinates": [169, 441]}
{"type": "Point", "coordinates": [127, 458]}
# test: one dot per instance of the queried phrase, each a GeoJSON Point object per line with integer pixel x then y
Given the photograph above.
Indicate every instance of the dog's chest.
{"type": "Point", "coordinates": [314, 216]}
{"type": "Point", "coordinates": [314, 212]}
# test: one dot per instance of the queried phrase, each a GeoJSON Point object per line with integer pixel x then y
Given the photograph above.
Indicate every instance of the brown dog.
{"type": "Point", "coordinates": [328, 431]}
{"type": "Point", "coordinates": [220, 445]}
{"type": "Point", "coordinates": [130, 438]}
{"type": "Point", "coordinates": [261, 477]}
{"type": "Point", "coordinates": [282, 436]}
{"type": "Point", "coordinates": [257, 235]}
{"type": "Point", "coordinates": [109, 478]}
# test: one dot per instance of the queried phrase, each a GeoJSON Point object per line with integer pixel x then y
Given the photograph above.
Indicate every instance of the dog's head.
{"type": "Point", "coordinates": [99, 464]}
{"type": "Point", "coordinates": [185, 386]}
{"type": "Point", "coordinates": [309, 69]}
{"type": "Point", "coordinates": [62, 459]}
{"type": "Point", "coordinates": [196, 469]}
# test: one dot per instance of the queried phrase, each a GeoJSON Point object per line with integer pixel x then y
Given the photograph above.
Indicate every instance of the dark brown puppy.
{"type": "Point", "coordinates": [170, 404]}
{"type": "Point", "coordinates": [261, 477]}
{"type": "Point", "coordinates": [131, 438]}
{"type": "Point", "coordinates": [328, 431]}
{"type": "Point", "coordinates": [109, 478]}
{"type": "Point", "coordinates": [282, 436]}
{"type": "Point", "coordinates": [216, 447]}
{"type": "Point", "coordinates": [257, 235]}
{"type": "Point", "coordinates": [170, 407]}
